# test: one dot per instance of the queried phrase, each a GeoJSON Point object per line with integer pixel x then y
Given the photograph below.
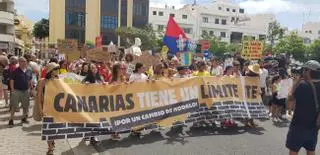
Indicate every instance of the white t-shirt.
{"type": "Point", "coordinates": [138, 77]}
{"type": "Point", "coordinates": [285, 88]}
{"type": "Point", "coordinates": [263, 78]}
{"type": "Point", "coordinates": [216, 71]}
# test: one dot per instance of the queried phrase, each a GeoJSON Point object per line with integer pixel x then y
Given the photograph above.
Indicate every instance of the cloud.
{"type": "Point", "coordinates": [278, 6]}
{"type": "Point", "coordinates": [34, 6]}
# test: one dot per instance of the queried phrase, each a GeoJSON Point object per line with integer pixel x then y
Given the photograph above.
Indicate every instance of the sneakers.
{"type": "Point", "coordinates": [24, 120]}
{"type": "Point", "coordinates": [11, 122]}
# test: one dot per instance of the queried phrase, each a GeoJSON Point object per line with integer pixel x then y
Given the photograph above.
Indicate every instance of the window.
{"type": "Point", "coordinates": [211, 33]}
{"type": "Point", "coordinates": [160, 27]}
{"type": "Point", "coordinates": [319, 32]}
{"type": "Point", "coordinates": [171, 14]}
{"type": "Point", "coordinates": [216, 21]}
{"type": "Point", "coordinates": [228, 9]}
{"type": "Point", "coordinates": [184, 16]}
{"type": "Point", "coordinates": [307, 40]}
{"type": "Point", "coordinates": [222, 34]}
{"type": "Point", "coordinates": [205, 19]}
{"type": "Point", "coordinates": [154, 13]}
{"type": "Point", "coordinates": [3, 6]}
{"type": "Point", "coordinates": [305, 31]}
{"type": "Point", "coordinates": [75, 18]}
{"type": "Point", "coordinates": [160, 13]}
{"type": "Point", "coordinates": [224, 22]}
{"type": "Point", "coordinates": [241, 10]}
{"type": "Point", "coordinates": [204, 32]}
{"type": "Point", "coordinates": [109, 22]}
{"type": "Point", "coordinates": [220, 8]}
{"type": "Point", "coordinates": [109, 6]}
{"type": "Point", "coordinates": [76, 3]}
{"type": "Point", "coordinates": [187, 30]}
{"type": "Point", "coordinates": [233, 10]}
{"type": "Point", "coordinates": [310, 31]}
{"type": "Point", "coordinates": [232, 19]}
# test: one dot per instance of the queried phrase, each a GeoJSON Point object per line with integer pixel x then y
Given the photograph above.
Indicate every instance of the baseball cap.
{"type": "Point", "coordinates": [312, 65]}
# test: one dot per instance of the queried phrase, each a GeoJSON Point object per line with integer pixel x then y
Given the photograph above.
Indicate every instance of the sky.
{"type": "Point", "coordinates": [290, 13]}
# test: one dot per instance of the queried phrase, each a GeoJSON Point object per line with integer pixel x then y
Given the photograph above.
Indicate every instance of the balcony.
{"type": "Point", "coordinates": [6, 37]}
{"type": "Point", "coordinates": [6, 18]}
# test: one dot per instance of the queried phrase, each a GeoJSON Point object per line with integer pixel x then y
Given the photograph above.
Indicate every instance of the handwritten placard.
{"type": "Point", "coordinates": [252, 50]}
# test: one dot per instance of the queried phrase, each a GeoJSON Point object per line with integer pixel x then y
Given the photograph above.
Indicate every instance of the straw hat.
{"type": "Point", "coordinates": [51, 66]}
{"type": "Point", "coordinates": [255, 69]}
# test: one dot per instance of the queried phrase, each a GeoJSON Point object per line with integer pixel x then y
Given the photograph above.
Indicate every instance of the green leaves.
{"type": "Point", "coordinates": [41, 29]}
{"type": "Point", "coordinates": [149, 38]}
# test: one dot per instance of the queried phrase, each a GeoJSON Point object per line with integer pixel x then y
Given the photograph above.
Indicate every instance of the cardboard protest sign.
{"type": "Point", "coordinates": [78, 110]}
{"type": "Point", "coordinates": [147, 59]}
{"type": "Point", "coordinates": [252, 50]}
{"type": "Point", "coordinates": [98, 54]}
{"type": "Point", "coordinates": [64, 44]}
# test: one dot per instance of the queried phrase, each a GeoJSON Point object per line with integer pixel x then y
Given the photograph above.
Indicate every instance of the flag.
{"type": "Point", "coordinates": [172, 35]}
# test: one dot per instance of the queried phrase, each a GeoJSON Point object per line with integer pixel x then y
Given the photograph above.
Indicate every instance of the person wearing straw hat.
{"type": "Point", "coordinates": [254, 71]}
{"type": "Point", "coordinates": [51, 74]}
{"type": "Point", "coordinates": [305, 124]}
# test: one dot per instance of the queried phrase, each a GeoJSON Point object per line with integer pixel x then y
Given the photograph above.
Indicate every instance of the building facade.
{"type": "Point", "coordinates": [84, 21]}
{"type": "Point", "coordinates": [310, 32]}
{"type": "Point", "coordinates": [220, 19]}
{"type": "Point", "coordinates": [7, 39]}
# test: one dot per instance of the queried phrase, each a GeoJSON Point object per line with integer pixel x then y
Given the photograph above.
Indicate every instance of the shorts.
{"type": "Point", "coordinates": [298, 138]}
{"type": "Point", "coordinates": [18, 96]}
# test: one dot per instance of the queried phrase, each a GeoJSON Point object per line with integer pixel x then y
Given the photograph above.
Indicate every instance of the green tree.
{"type": "Point", "coordinates": [293, 45]}
{"type": "Point", "coordinates": [275, 32]}
{"type": "Point", "coordinates": [149, 38]}
{"type": "Point", "coordinates": [41, 29]}
{"type": "Point", "coordinates": [315, 50]}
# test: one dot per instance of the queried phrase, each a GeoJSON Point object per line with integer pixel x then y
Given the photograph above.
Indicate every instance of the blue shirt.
{"type": "Point", "coordinates": [305, 113]}
{"type": "Point", "coordinates": [21, 79]}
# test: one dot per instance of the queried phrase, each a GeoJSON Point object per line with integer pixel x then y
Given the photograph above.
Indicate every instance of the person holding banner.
{"type": "Point", "coordinates": [202, 70]}
{"type": "Point", "coordinates": [63, 67]}
{"type": "Point", "coordinates": [158, 72]}
{"type": "Point", "coordinates": [139, 74]}
{"type": "Point", "coordinates": [85, 69]}
{"type": "Point", "coordinates": [118, 78]}
{"type": "Point", "coordinates": [254, 71]}
{"type": "Point", "coordinates": [216, 69]}
{"type": "Point", "coordinates": [52, 74]}
{"type": "Point", "coordinates": [93, 75]}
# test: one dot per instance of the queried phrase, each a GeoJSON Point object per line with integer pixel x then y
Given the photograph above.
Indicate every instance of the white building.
{"type": "Point", "coordinates": [310, 31]}
{"type": "Point", "coordinates": [6, 25]}
{"type": "Point", "coordinates": [221, 19]}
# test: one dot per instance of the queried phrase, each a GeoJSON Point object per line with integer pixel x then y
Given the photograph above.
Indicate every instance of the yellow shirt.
{"type": "Point", "coordinates": [62, 71]}
{"type": "Point", "coordinates": [205, 73]}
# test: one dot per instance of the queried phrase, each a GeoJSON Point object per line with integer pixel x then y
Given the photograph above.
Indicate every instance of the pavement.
{"type": "Point", "coordinates": [267, 139]}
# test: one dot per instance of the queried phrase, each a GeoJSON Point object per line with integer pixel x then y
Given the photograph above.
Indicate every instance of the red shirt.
{"type": "Point", "coordinates": [44, 73]}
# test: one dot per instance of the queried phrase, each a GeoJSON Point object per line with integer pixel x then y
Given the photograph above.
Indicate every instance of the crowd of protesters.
{"type": "Point", "coordinates": [281, 88]}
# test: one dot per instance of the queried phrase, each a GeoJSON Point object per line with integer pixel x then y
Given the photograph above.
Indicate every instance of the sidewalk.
{"type": "Point", "coordinates": [26, 139]}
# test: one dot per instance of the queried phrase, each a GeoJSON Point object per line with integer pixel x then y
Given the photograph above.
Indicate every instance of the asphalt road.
{"type": "Point", "coordinates": [267, 139]}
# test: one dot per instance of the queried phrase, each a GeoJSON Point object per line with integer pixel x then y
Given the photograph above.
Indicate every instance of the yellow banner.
{"type": "Point", "coordinates": [161, 103]}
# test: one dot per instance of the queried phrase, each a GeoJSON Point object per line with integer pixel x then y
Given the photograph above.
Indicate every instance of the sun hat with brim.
{"type": "Point", "coordinates": [255, 69]}
{"type": "Point", "coordinates": [312, 65]}
{"type": "Point", "coordinates": [51, 66]}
